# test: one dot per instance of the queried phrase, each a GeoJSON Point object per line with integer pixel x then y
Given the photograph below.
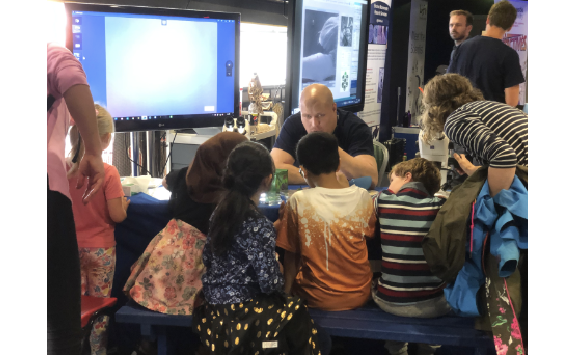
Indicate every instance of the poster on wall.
{"type": "Point", "coordinates": [376, 48]}
{"type": "Point", "coordinates": [416, 59]}
{"type": "Point", "coordinates": [516, 38]}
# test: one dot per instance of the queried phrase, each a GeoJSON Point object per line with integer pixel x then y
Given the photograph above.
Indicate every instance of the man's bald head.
{"type": "Point", "coordinates": [316, 94]}
{"type": "Point", "coordinates": [318, 111]}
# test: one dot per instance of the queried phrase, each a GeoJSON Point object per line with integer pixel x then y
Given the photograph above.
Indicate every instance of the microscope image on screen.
{"type": "Point", "coordinates": [320, 40]}
{"type": "Point", "coordinates": [346, 31]}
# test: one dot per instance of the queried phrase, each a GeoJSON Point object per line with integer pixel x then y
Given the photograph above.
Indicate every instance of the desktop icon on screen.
{"type": "Point", "coordinates": [164, 22]}
{"type": "Point", "coordinates": [77, 41]}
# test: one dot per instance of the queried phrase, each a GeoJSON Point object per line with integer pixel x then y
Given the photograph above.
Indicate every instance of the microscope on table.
{"type": "Point", "coordinates": [440, 152]}
{"type": "Point", "coordinates": [240, 125]}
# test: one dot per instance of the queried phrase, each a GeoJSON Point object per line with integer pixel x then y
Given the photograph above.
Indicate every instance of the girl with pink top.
{"type": "Point", "coordinates": [95, 224]}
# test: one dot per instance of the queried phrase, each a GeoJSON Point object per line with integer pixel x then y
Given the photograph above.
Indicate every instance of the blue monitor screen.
{"type": "Point", "coordinates": [146, 66]}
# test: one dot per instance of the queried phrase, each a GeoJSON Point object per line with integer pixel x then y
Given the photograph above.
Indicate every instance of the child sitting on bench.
{"type": "Point", "coordinates": [245, 310]}
{"type": "Point", "coordinates": [406, 211]}
{"type": "Point", "coordinates": [323, 231]}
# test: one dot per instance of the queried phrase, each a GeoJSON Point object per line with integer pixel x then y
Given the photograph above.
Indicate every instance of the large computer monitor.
{"type": "Point", "coordinates": [156, 68]}
{"type": "Point", "coordinates": [327, 44]}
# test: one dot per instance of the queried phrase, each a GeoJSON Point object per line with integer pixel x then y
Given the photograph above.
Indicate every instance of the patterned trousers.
{"type": "Point", "coordinates": [97, 266]}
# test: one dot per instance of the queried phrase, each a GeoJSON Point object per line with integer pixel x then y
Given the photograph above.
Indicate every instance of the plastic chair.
{"type": "Point", "coordinates": [381, 158]}
{"type": "Point", "coordinates": [364, 182]}
{"type": "Point", "coordinates": [91, 308]}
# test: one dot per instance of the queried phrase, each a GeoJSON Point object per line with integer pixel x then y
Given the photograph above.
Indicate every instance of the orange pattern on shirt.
{"type": "Point", "coordinates": [327, 227]}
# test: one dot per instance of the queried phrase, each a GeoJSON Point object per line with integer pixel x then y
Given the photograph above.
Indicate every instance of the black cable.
{"type": "Point", "coordinates": [160, 152]}
{"type": "Point", "coordinates": [168, 157]}
{"type": "Point", "coordinates": [188, 4]}
{"type": "Point", "coordinates": [128, 155]}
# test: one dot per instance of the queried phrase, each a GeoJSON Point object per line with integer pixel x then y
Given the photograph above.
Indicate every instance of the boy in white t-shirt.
{"type": "Point", "coordinates": [323, 231]}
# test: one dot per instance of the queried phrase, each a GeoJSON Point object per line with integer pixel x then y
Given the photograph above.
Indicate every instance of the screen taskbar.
{"type": "Point", "coordinates": [144, 118]}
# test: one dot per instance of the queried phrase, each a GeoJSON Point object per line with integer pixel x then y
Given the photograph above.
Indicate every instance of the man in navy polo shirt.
{"type": "Point", "coordinates": [318, 113]}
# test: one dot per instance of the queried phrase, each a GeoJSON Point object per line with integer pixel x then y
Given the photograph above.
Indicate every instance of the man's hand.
{"type": "Point", "coordinates": [283, 160]}
{"type": "Point", "coordinates": [359, 166]}
{"type": "Point", "coordinates": [466, 166]}
{"type": "Point", "coordinates": [91, 167]}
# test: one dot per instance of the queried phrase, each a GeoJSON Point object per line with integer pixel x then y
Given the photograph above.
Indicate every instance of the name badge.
{"type": "Point", "coordinates": [270, 344]}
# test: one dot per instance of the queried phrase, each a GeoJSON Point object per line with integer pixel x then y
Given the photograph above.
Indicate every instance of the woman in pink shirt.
{"type": "Point", "coordinates": [68, 93]}
{"type": "Point", "coordinates": [95, 224]}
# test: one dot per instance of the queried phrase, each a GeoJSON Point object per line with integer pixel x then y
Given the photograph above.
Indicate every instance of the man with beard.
{"type": "Point", "coordinates": [460, 24]}
{"type": "Point", "coordinates": [491, 65]}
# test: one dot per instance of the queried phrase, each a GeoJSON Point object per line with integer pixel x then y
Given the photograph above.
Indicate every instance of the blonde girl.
{"type": "Point", "coordinates": [95, 223]}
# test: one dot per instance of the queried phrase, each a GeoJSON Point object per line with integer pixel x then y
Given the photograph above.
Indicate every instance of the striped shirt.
{"type": "Point", "coordinates": [405, 218]}
{"type": "Point", "coordinates": [492, 132]}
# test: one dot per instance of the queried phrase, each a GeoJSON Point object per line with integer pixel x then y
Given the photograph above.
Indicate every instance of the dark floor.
{"type": "Point", "coordinates": [340, 346]}
{"type": "Point", "coordinates": [351, 346]}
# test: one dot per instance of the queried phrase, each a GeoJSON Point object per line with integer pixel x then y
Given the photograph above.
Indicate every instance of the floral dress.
{"type": "Point", "coordinates": [167, 276]}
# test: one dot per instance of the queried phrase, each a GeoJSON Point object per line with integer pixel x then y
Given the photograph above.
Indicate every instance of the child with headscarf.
{"type": "Point", "coordinates": [179, 246]}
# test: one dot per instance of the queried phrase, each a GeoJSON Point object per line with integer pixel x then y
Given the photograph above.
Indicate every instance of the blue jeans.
{"type": "Point", "coordinates": [433, 308]}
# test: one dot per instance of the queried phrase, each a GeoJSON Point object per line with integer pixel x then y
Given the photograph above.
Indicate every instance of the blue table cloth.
{"type": "Point", "coordinates": [146, 217]}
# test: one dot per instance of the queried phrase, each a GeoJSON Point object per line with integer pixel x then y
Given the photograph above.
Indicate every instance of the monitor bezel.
{"type": "Point", "coordinates": [198, 120]}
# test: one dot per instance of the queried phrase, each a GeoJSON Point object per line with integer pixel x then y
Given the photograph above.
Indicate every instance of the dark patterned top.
{"type": "Point", "coordinates": [248, 269]}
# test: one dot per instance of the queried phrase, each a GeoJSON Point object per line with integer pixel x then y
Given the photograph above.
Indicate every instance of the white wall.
{"type": "Point", "coordinates": [263, 50]}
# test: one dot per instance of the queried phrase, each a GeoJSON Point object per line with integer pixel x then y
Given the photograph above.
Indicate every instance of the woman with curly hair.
{"type": "Point", "coordinates": [492, 132]}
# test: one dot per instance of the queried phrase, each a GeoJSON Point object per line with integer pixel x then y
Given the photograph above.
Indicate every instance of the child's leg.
{"type": "Point", "coordinates": [298, 332]}
{"type": "Point", "coordinates": [100, 264]}
{"type": "Point", "coordinates": [324, 339]}
{"type": "Point", "coordinates": [83, 274]}
{"type": "Point", "coordinates": [396, 347]}
{"type": "Point", "coordinates": [427, 349]}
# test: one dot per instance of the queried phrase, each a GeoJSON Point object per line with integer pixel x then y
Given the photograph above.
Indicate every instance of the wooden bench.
{"type": "Point", "coordinates": [367, 323]}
